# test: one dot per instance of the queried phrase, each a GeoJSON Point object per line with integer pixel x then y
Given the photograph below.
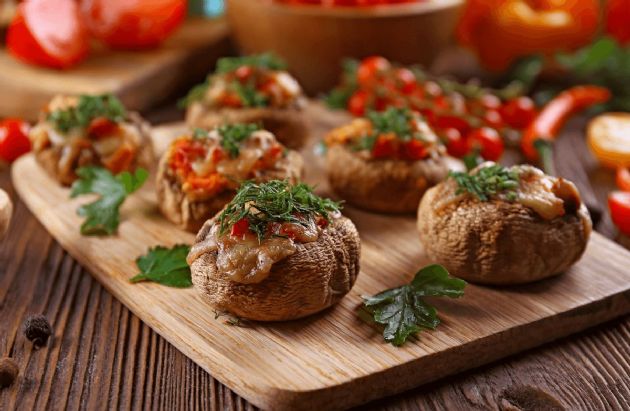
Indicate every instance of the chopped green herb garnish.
{"type": "Point", "coordinates": [165, 266]}
{"type": "Point", "coordinates": [200, 134]}
{"type": "Point", "coordinates": [339, 96]}
{"type": "Point", "coordinates": [232, 135]}
{"type": "Point", "coordinates": [275, 201]}
{"type": "Point", "coordinates": [87, 109]}
{"type": "Point", "coordinates": [249, 94]}
{"type": "Point", "coordinates": [102, 215]}
{"type": "Point", "coordinates": [403, 310]}
{"type": "Point", "coordinates": [393, 120]}
{"type": "Point", "coordinates": [265, 61]}
{"type": "Point", "coordinates": [488, 181]}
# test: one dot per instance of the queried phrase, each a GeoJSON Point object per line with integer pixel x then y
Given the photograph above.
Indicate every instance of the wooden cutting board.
{"type": "Point", "coordinates": [140, 78]}
{"type": "Point", "coordinates": [332, 360]}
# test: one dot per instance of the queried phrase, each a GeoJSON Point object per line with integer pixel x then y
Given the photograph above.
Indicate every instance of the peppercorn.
{"type": "Point", "coordinates": [8, 372]}
{"type": "Point", "coordinates": [37, 329]}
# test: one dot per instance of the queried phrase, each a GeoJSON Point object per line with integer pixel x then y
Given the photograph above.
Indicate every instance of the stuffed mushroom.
{"type": "Point", "coordinates": [276, 252]}
{"type": "Point", "coordinates": [498, 225]}
{"type": "Point", "coordinates": [251, 89]}
{"type": "Point", "coordinates": [199, 173]}
{"type": "Point", "coordinates": [78, 131]}
{"type": "Point", "coordinates": [386, 162]}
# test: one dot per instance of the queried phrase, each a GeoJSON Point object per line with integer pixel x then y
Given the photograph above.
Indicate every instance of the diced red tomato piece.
{"type": "Point", "coordinates": [48, 33]}
{"type": "Point", "coordinates": [240, 228]}
{"type": "Point", "coordinates": [487, 142]}
{"type": "Point", "coordinates": [243, 73]}
{"type": "Point", "coordinates": [370, 68]}
{"type": "Point", "coordinates": [414, 150]}
{"type": "Point", "coordinates": [619, 205]}
{"type": "Point", "coordinates": [14, 140]}
{"type": "Point", "coordinates": [121, 160]}
{"type": "Point", "coordinates": [358, 103]}
{"type": "Point", "coordinates": [385, 146]}
{"type": "Point", "coordinates": [102, 127]}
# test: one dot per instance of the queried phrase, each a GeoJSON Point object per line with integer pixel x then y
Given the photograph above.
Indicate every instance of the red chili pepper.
{"type": "Point", "coordinates": [619, 205]}
{"type": "Point", "coordinates": [623, 178]}
{"type": "Point", "coordinates": [240, 228]}
{"type": "Point", "coordinates": [552, 117]}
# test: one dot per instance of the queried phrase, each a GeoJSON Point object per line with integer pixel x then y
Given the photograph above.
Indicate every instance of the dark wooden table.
{"type": "Point", "coordinates": [104, 357]}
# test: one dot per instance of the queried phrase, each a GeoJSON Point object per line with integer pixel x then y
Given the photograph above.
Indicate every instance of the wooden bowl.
{"type": "Point", "coordinates": [314, 40]}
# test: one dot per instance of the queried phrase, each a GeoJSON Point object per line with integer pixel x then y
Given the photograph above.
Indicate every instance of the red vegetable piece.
{"type": "Point", "coordinates": [14, 140]}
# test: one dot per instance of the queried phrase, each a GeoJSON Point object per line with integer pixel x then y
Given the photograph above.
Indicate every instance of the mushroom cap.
{"type": "Point", "coordinates": [287, 124]}
{"type": "Point", "coordinates": [191, 215]}
{"type": "Point", "coordinates": [312, 279]}
{"type": "Point", "coordinates": [386, 186]}
{"type": "Point", "coordinates": [498, 242]}
{"type": "Point", "coordinates": [50, 157]}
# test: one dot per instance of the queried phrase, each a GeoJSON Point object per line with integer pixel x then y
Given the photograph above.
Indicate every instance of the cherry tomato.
{"type": "Point", "coordinates": [406, 80]}
{"type": "Point", "coordinates": [618, 20]}
{"type": "Point", "coordinates": [414, 150]}
{"type": "Point", "coordinates": [358, 103]}
{"type": "Point", "coordinates": [14, 139]}
{"type": "Point", "coordinates": [370, 68]}
{"type": "Point", "coordinates": [489, 101]}
{"type": "Point", "coordinates": [385, 147]}
{"type": "Point", "coordinates": [456, 145]}
{"type": "Point", "coordinates": [133, 24]}
{"type": "Point", "coordinates": [450, 121]}
{"type": "Point", "coordinates": [622, 178]}
{"type": "Point", "coordinates": [619, 205]}
{"type": "Point", "coordinates": [240, 228]}
{"type": "Point", "coordinates": [48, 33]}
{"type": "Point", "coordinates": [487, 142]}
{"type": "Point", "coordinates": [519, 112]}
{"type": "Point", "coordinates": [243, 73]}
{"type": "Point", "coordinates": [492, 118]}
{"type": "Point", "coordinates": [441, 103]}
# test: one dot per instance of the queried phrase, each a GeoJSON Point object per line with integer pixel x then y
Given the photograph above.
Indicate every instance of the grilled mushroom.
{"type": "Point", "coordinates": [386, 162]}
{"type": "Point", "coordinates": [502, 226]}
{"type": "Point", "coordinates": [199, 173]}
{"type": "Point", "coordinates": [270, 268]}
{"type": "Point", "coordinates": [251, 89]}
{"type": "Point", "coordinates": [78, 131]}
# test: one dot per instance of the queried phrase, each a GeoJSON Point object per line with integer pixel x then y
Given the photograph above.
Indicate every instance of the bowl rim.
{"type": "Point", "coordinates": [390, 10]}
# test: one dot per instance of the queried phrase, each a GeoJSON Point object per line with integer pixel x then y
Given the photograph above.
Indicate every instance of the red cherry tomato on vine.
{"type": "Point", "coordinates": [492, 118]}
{"type": "Point", "coordinates": [48, 33]}
{"type": "Point", "coordinates": [490, 101]}
{"type": "Point", "coordinates": [370, 68]}
{"type": "Point", "coordinates": [406, 80]}
{"type": "Point", "coordinates": [450, 121]}
{"type": "Point", "coordinates": [14, 139]}
{"type": "Point", "coordinates": [519, 112]}
{"type": "Point", "coordinates": [456, 145]}
{"type": "Point", "coordinates": [358, 103]}
{"type": "Point", "coordinates": [619, 205]}
{"type": "Point", "coordinates": [133, 24]}
{"type": "Point", "coordinates": [487, 142]}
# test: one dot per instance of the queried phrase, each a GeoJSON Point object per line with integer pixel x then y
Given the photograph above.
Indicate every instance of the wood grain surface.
{"type": "Point", "coordinates": [140, 79]}
{"type": "Point", "coordinates": [453, 328]}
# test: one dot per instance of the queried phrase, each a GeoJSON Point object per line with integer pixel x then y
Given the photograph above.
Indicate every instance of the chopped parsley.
{"type": "Point", "coordinates": [488, 181]}
{"type": "Point", "coordinates": [232, 135]}
{"type": "Point", "coordinates": [166, 266]}
{"type": "Point", "coordinates": [266, 61]}
{"type": "Point", "coordinates": [403, 310]}
{"type": "Point", "coordinates": [275, 201]}
{"type": "Point", "coordinates": [393, 120]}
{"type": "Point", "coordinates": [87, 109]}
{"type": "Point", "coordinates": [249, 94]}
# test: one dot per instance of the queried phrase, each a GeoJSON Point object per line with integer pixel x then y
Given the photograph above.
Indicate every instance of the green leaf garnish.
{"type": "Point", "coordinates": [249, 94]}
{"type": "Point", "coordinates": [165, 266]}
{"type": "Point", "coordinates": [339, 96]}
{"type": "Point", "coordinates": [102, 215]}
{"type": "Point", "coordinates": [267, 61]}
{"type": "Point", "coordinates": [87, 109]}
{"type": "Point", "coordinates": [487, 182]}
{"type": "Point", "coordinates": [232, 135]}
{"type": "Point", "coordinates": [403, 310]}
{"type": "Point", "coordinates": [393, 120]}
{"type": "Point", "coordinates": [275, 201]}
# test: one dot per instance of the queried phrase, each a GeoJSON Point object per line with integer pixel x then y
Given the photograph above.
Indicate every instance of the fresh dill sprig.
{"type": "Point", "coordinates": [267, 61]}
{"type": "Point", "coordinates": [232, 135]}
{"type": "Point", "coordinates": [87, 109]}
{"type": "Point", "coordinates": [488, 181]}
{"type": "Point", "coordinates": [275, 201]}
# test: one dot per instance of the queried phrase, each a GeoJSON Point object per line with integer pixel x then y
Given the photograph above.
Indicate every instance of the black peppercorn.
{"type": "Point", "coordinates": [37, 329]}
{"type": "Point", "coordinates": [8, 371]}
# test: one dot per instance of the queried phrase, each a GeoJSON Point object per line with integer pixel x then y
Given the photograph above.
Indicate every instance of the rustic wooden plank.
{"type": "Point", "coordinates": [353, 364]}
{"type": "Point", "coordinates": [140, 79]}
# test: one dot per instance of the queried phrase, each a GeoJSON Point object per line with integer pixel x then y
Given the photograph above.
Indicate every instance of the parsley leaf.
{"type": "Point", "coordinates": [403, 310]}
{"type": "Point", "coordinates": [267, 61]}
{"type": "Point", "coordinates": [232, 135]}
{"type": "Point", "coordinates": [87, 109]}
{"type": "Point", "coordinates": [165, 266]}
{"type": "Point", "coordinates": [488, 181]}
{"type": "Point", "coordinates": [275, 201]}
{"type": "Point", "coordinates": [102, 215]}
{"type": "Point", "coordinates": [393, 120]}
